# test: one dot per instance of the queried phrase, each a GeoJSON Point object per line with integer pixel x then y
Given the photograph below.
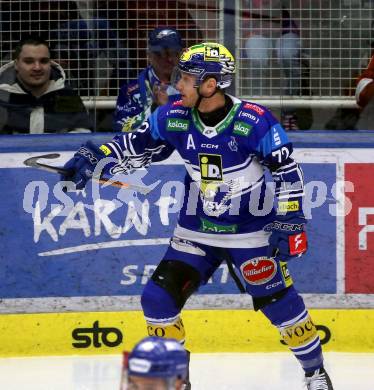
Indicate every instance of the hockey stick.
{"type": "Point", "coordinates": [34, 163]}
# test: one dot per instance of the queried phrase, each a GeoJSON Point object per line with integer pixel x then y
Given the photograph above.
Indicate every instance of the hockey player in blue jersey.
{"type": "Point", "coordinates": [227, 144]}
{"type": "Point", "coordinates": [138, 98]}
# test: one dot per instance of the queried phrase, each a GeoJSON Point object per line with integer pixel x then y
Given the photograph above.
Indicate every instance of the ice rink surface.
{"type": "Point", "coordinates": [224, 371]}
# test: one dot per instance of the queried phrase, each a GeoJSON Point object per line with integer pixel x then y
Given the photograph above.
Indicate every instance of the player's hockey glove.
{"type": "Point", "coordinates": [288, 237]}
{"type": "Point", "coordinates": [82, 165]}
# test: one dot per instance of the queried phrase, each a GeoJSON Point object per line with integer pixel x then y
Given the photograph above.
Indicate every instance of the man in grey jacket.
{"type": "Point", "coordinates": [34, 95]}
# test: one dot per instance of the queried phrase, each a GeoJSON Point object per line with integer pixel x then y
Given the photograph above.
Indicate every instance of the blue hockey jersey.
{"type": "Point", "coordinates": [227, 201]}
{"type": "Point", "coordinates": [134, 102]}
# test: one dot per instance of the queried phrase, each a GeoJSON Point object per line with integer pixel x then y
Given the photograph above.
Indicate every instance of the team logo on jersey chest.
{"type": "Point", "coordinates": [210, 170]}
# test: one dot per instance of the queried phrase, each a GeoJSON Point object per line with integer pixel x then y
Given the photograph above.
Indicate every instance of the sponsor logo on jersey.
{"type": "Point", "coordinates": [273, 285]}
{"type": "Point", "coordinates": [177, 124]}
{"type": "Point", "coordinates": [178, 111]}
{"type": "Point", "coordinates": [211, 227]}
{"type": "Point", "coordinates": [276, 137]}
{"type": "Point", "coordinates": [287, 227]}
{"type": "Point", "coordinates": [254, 107]}
{"type": "Point", "coordinates": [259, 270]}
{"type": "Point", "coordinates": [242, 128]}
{"type": "Point", "coordinates": [105, 150]}
{"type": "Point", "coordinates": [298, 244]}
{"type": "Point", "coordinates": [209, 146]}
{"type": "Point", "coordinates": [210, 167]}
{"type": "Point", "coordinates": [177, 103]}
{"type": "Point", "coordinates": [248, 115]}
{"type": "Point", "coordinates": [286, 274]}
{"type": "Point", "coordinates": [211, 172]}
{"type": "Point", "coordinates": [285, 207]}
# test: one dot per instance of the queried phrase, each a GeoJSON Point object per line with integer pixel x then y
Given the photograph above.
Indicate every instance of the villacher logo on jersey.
{"type": "Point", "coordinates": [259, 270]}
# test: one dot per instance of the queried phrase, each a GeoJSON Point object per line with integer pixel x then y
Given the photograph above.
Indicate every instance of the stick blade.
{"type": "Point", "coordinates": [33, 161]}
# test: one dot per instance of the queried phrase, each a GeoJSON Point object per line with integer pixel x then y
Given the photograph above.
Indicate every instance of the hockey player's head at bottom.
{"type": "Point", "coordinates": [203, 71]}
{"type": "Point", "coordinates": [155, 364]}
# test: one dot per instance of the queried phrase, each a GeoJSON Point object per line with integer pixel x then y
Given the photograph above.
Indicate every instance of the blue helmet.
{"type": "Point", "coordinates": [208, 59]}
{"type": "Point", "coordinates": [158, 357]}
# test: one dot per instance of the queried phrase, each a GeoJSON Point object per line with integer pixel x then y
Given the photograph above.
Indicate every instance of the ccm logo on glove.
{"type": "Point", "coordinates": [297, 243]}
{"type": "Point", "coordinates": [85, 152]}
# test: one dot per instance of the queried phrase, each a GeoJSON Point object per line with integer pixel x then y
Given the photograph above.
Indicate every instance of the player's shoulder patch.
{"type": "Point", "coordinates": [177, 110]}
{"type": "Point", "coordinates": [259, 119]}
{"type": "Point", "coordinates": [249, 115]}
{"type": "Point", "coordinates": [177, 118]}
{"type": "Point", "coordinates": [254, 108]}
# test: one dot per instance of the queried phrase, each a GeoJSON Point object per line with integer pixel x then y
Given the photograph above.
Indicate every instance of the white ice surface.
{"type": "Point", "coordinates": [225, 371]}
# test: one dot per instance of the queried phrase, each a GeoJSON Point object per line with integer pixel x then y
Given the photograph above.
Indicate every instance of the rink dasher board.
{"type": "Point", "coordinates": [195, 302]}
{"type": "Point", "coordinates": [342, 270]}
{"type": "Point", "coordinates": [206, 331]}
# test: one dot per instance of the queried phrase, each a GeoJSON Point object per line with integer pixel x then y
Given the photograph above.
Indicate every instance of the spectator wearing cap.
{"type": "Point", "coordinates": [139, 98]}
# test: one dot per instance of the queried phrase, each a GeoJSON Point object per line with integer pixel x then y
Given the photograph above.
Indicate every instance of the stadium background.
{"type": "Point", "coordinates": [102, 43]}
{"type": "Point", "coordinates": [71, 284]}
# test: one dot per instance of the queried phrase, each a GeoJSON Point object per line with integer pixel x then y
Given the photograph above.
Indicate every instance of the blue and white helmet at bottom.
{"type": "Point", "coordinates": [155, 357]}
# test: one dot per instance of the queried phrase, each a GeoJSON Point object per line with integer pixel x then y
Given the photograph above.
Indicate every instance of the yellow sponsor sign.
{"type": "Point", "coordinates": [284, 207]}
{"type": "Point", "coordinates": [206, 331]}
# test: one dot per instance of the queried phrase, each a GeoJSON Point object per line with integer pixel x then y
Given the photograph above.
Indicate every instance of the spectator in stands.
{"type": "Point", "coordinates": [139, 98]}
{"type": "Point", "coordinates": [365, 85]}
{"type": "Point", "coordinates": [34, 95]}
{"type": "Point", "coordinates": [266, 20]}
{"type": "Point", "coordinates": [155, 363]}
